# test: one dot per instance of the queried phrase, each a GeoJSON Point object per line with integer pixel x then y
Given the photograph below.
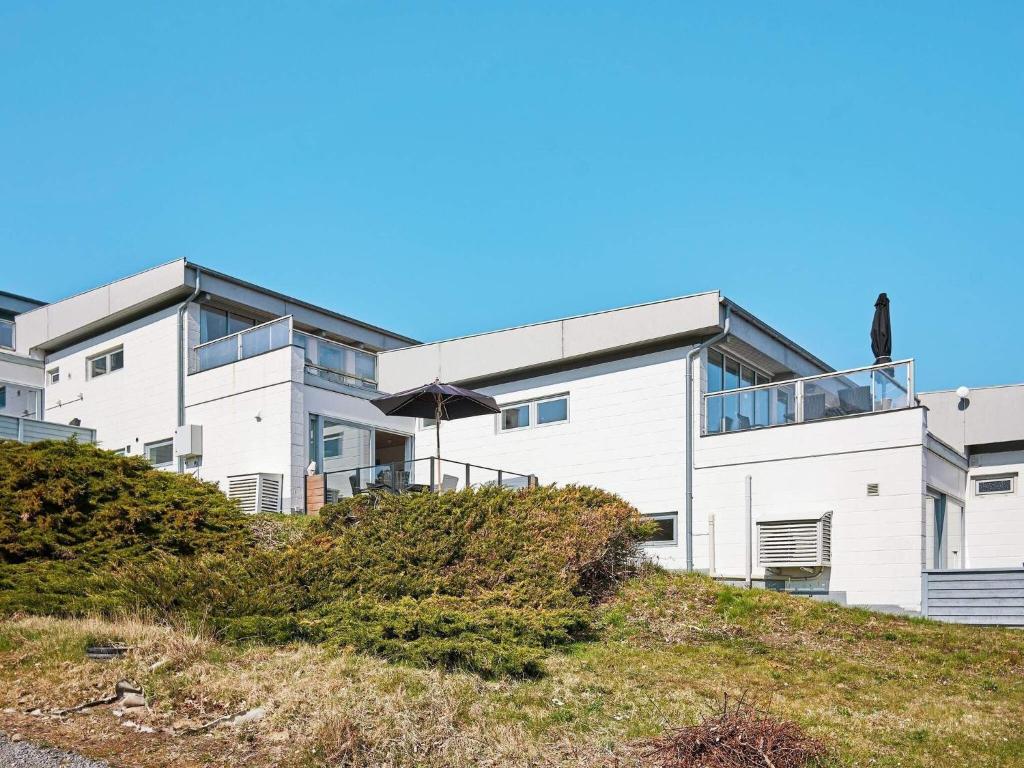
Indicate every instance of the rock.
{"type": "Point", "coordinates": [252, 715]}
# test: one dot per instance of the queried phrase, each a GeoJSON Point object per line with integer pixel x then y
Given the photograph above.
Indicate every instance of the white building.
{"type": "Point", "coordinates": [759, 462]}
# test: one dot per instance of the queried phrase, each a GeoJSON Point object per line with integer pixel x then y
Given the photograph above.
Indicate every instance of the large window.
{"type": "Point", "coordinates": [666, 526]}
{"type": "Point", "coordinates": [743, 409]}
{"type": "Point", "coordinates": [160, 453]}
{"type": "Point", "coordinates": [216, 323]}
{"type": "Point", "coordinates": [6, 334]}
{"type": "Point", "coordinates": [108, 362]}
{"type": "Point", "coordinates": [547, 410]}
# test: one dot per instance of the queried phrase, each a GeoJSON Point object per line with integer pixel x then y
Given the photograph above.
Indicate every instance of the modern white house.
{"type": "Point", "coordinates": [759, 462]}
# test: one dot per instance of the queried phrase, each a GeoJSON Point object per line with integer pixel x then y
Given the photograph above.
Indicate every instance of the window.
{"type": "Point", "coordinates": [739, 411]}
{"type": "Point", "coordinates": [105, 363]}
{"type": "Point", "coordinates": [548, 410]}
{"type": "Point", "coordinates": [6, 334]}
{"type": "Point", "coordinates": [989, 486]}
{"type": "Point", "coordinates": [160, 454]}
{"type": "Point", "coordinates": [53, 375]}
{"type": "Point", "coordinates": [3, 397]}
{"type": "Point", "coordinates": [516, 417]}
{"type": "Point", "coordinates": [216, 323]}
{"type": "Point", "coordinates": [665, 532]}
{"type": "Point", "coordinates": [427, 423]}
{"type": "Point", "coordinates": [552, 411]}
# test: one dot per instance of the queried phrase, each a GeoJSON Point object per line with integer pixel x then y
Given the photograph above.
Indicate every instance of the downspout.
{"type": "Point", "coordinates": [689, 430]}
{"type": "Point", "coordinates": [181, 348]}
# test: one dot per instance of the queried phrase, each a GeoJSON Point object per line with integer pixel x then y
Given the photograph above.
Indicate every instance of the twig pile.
{"type": "Point", "coordinates": [740, 735]}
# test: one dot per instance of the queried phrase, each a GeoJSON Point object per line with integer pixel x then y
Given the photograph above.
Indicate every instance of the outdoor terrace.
{"type": "Point", "coordinates": [326, 360]}
{"type": "Point", "coordinates": [855, 392]}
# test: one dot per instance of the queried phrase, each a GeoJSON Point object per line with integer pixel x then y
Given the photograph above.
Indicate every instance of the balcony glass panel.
{"type": "Point", "coordinates": [847, 393]}
{"type": "Point", "coordinates": [254, 341]}
{"type": "Point", "coordinates": [216, 353]}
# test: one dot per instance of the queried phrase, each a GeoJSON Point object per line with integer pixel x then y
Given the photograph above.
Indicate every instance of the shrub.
{"type": "Point", "coordinates": [485, 580]}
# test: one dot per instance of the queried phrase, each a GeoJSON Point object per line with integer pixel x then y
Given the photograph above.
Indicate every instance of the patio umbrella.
{"type": "Point", "coordinates": [441, 402]}
{"type": "Point", "coordinates": [881, 331]}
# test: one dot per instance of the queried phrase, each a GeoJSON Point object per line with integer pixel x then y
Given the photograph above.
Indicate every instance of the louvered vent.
{"type": "Point", "coordinates": [795, 543]}
{"type": "Point", "coordinates": [258, 492]}
{"type": "Point", "coordinates": [872, 489]}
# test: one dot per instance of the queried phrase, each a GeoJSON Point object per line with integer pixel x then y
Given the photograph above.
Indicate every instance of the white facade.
{"type": "Point", "coordinates": [606, 399]}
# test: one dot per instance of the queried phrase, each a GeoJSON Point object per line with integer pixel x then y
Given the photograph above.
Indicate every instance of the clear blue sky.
{"type": "Point", "coordinates": [443, 168]}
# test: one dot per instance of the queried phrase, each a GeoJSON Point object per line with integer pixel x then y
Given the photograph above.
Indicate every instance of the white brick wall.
{"type": "Point", "coordinates": [625, 433]}
{"type": "Point", "coordinates": [808, 469]}
{"type": "Point", "coordinates": [995, 523]}
{"type": "Point", "coordinates": [130, 407]}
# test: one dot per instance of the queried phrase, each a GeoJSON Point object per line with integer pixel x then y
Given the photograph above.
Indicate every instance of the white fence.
{"type": "Point", "coordinates": [976, 596]}
{"type": "Point", "coordinates": [32, 431]}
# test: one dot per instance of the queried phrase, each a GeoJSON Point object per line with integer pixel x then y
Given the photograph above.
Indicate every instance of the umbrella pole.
{"type": "Point", "coordinates": [437, 432]}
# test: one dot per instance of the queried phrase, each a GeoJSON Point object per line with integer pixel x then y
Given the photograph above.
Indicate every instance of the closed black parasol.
{"type": "Point", "coordinates": [441, 402]}
{"type": "Point", "coordinates": [881, 331]}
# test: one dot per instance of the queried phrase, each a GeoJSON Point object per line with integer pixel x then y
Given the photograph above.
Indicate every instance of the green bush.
{"type": "Point", "coordinates": [484, 580]}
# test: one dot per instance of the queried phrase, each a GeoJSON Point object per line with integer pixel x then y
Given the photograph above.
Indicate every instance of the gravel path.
{"type": "Point", "coordinates": [23, 754]}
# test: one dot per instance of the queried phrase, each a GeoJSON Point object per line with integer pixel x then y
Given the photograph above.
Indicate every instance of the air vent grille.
{"type": "Point", "coordinates": [872, 489]}
{"type": "Point", "coordinates": [257, 492]}
{"type": "Point", "coordinates": [795, 543]}
{"type": "Point", "coordinates": [996, 485]}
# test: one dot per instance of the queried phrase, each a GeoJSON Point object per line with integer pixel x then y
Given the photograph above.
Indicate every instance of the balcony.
{"type": "Point", "coordinates": [424, 475]}
{"type": "Point", "coordinates": [329, 361]}
{"type": "Point", "coordinates": [858, 391]}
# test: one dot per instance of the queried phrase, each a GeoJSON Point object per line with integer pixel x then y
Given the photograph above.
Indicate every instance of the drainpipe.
{"type": "Point", "coordinates": [689, 430]}
{"type": "Point", "coordinates": [181, 348]}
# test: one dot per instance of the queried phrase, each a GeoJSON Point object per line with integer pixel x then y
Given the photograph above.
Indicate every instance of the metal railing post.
{"type": "Point", "coordinates": [799, 401]}
{"type": "Point", "coordinates": [467, 474]}
{"type": "Point", "coordinates": [433, 485]}
{"type": "Point", "coordinates": [500, 485]}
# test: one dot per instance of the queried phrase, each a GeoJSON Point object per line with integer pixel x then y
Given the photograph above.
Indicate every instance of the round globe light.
{"type": "Point", "coordinates": [963, 392]}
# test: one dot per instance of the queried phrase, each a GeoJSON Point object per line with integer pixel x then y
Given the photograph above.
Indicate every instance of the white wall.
{"type": "Point", "coordinates": [129, 407]}
{"type": "Point", "coordinates": [625, 433]}
{"type": "Point", "coordinates": [246, 411]}
{"type": "Point", "coordinates": [805, 470]}
{"type": "Point", "coordinates": [995, 523]}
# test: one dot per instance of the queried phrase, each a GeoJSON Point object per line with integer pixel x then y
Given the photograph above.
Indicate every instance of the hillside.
{"type": "Point", "coordinates": [879, 690]}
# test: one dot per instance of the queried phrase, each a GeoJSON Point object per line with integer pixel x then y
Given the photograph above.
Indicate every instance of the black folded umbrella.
{"type": "Point", "coordinates": [881, 331]}
{"type": "Point", "coordinates": [441, 402]}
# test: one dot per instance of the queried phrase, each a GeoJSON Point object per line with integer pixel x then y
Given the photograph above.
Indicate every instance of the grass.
{"type": "Point", "coordinates": [881, 690]}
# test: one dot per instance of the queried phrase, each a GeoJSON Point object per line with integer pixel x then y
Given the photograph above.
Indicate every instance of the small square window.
{"type": "Point", "coordinates": [53, 375]}
{"type": "Point", "coordinates": [160, 454]}
{"type": "Point", "coordinates": [117, 360]}
{"type": "Point", "coordinates": [98, 367]}
{"type": "Point", "coordinates": [552, 411]}
{"type": "Point", "coordinates": [665, 532]}
{"type": "Point", "coordinates": [516, 417]}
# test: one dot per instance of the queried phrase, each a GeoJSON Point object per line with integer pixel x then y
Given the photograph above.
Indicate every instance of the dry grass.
{"type": "Point", "coordinates": [878, 690]}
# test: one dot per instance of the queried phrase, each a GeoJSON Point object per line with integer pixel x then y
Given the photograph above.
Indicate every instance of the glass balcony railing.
{"type": "Point", "coordinates": [325, 359]}
{"type": "Point", "coordinates": [239, 346]}
{"type": "Point", "coordinates": [872, 389]}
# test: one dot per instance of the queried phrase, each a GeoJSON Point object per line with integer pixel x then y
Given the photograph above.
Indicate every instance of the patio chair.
{"type": "Point", "coordinates": [449, 483]}
{"type": "Point", "coordinates": [855, 400]}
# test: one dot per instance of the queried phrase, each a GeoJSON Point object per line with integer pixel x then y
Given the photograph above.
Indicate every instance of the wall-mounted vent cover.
{"type": "Point", "coordinates": [872, 489]}
{"type": "Point", "coordinates": [795, 543]}
{"type": "Point", "coordinates": [258, 492]}
{"type": "Point", "coordinates": [995, 485]}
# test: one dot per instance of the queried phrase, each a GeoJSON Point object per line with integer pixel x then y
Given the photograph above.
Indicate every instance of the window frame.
{"type": "Point", "coordinates": [760, 378]}
{"type": "Point", "coordinates": [53, 376]}
{"type": "Point", "coordinates": [107, 356]}
{"type": "Point", "coordinates": [533, 411]}
{"type": "Point", "coordinates": [14, 328]}
{"type": "Point", "coordinates": [228, 315]}
{"type": "Point", "coordinates": [1011, 476]}
{"type": "Point", "coordinates": [674, 517]}
{"type": "Point", "coordinates": [159, 443]}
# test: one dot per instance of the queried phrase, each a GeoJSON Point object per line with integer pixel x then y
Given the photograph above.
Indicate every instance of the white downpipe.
{"type": "Point", "coordinates": [749, 518]}
{"type": "Point", "coordinates": [182, 348]}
